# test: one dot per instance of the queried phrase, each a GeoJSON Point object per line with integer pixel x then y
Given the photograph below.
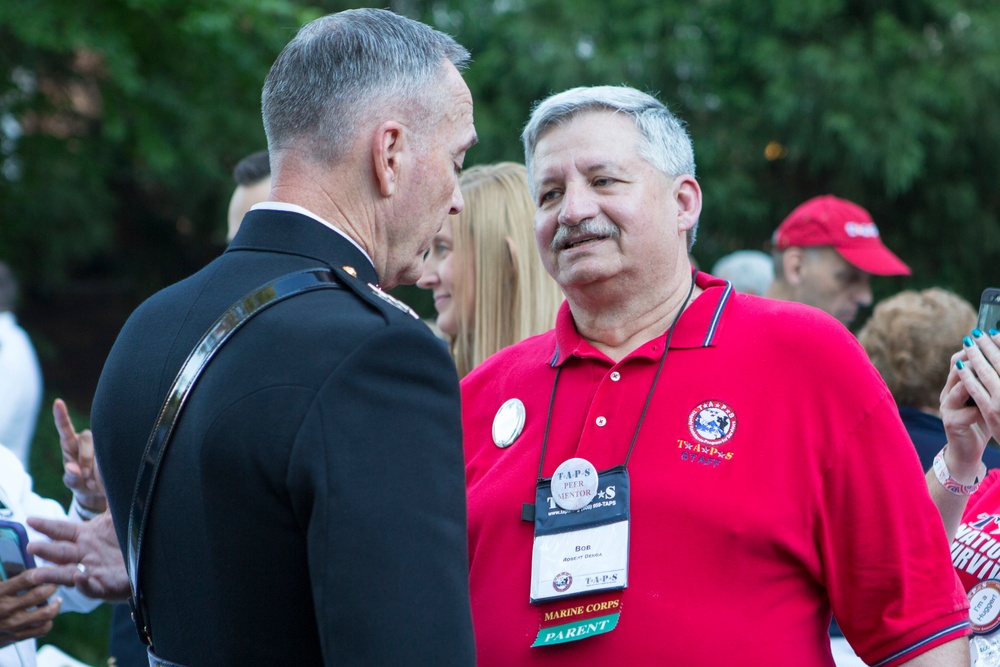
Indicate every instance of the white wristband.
{"type": "Point", "coordinates": [950, 483]}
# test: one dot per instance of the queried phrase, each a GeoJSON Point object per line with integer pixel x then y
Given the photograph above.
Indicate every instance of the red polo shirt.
{"type": "Point", "coordinates": [771, 481]}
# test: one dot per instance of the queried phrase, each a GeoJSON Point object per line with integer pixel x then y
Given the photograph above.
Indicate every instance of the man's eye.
{"type": "Point", "coordinates": [602, 181]}
{"type": "Point", "coordinates": [549, 196]}
{"type": "Point", "coordinates": [852, 278]}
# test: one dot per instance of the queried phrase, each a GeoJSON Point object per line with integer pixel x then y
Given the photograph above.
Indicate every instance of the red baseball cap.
{"type": "Point", "coordinates": [829, 220]}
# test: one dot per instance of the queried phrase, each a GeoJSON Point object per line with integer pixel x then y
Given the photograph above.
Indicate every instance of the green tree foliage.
{"type": "Point", "coordinates": [131, 113]}
{"type": "Point", "coordinates": [885, 103]}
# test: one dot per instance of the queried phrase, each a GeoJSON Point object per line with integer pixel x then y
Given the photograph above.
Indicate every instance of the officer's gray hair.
{"type": "Point", "coordinates": [665, 142]}
{"type": "Point", "coordinates": [341, 69]}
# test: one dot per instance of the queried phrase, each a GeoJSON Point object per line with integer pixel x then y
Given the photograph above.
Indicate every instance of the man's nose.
{"type": "Point", "coordinates": [863, 294]}
{"type": "Point", "coordinates": [457, 201]}
{"type": "Point", "coordinates": [577, 205]}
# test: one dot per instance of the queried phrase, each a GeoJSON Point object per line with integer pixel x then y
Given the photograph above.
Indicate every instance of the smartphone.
{"type": "Point", "coordinates": [989, 309]}
{"type": "Point", "coordinates": [14, 556]}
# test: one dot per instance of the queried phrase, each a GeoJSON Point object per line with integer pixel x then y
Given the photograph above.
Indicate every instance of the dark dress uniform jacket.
{"type": "Point", "coordinates": [311, 507]}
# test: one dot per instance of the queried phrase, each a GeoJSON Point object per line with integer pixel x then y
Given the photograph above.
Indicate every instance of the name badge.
{"type": "Point", "coordinates": [583, 550]}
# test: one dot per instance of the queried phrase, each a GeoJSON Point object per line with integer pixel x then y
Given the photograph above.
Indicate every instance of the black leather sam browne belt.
{"type": "Point", "coordinates": [222, 330]}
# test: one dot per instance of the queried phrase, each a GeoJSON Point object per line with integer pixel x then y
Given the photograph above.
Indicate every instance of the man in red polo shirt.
{"type": "Point", "coordinates": [679, 474]}
{"type": "Point", "coordinates": [825, 253]}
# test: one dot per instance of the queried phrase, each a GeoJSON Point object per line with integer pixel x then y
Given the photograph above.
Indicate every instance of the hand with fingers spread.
{"type": "Point", "coordinates": [25, 612]}
{"type": "Point", "coordinates": [84, 555]}
{"type": "Point", "coordinates": [81, 475]}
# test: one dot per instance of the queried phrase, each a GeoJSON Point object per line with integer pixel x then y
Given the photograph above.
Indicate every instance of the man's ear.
{"type": "Point", "coordinates": [793, 261]}
{"type": "Point", "coordinates": [388, 148]}
{"type": "Point", "coordinates": [688, 196]}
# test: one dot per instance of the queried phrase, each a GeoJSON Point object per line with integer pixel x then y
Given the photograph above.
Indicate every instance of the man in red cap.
{"type": "Point", "coordinates": [825, 253]}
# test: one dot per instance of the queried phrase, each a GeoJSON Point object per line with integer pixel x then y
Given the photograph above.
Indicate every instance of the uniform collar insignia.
{"type": "Point", "coordinates": [393, 301]}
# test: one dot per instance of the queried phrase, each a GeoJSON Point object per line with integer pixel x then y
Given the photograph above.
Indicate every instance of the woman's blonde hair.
{"type": "Point", "coordinates": [910, 338]}
{"type": "Point", "coordinates": [494, 241]}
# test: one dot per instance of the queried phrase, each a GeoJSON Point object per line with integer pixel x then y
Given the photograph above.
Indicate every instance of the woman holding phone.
{"type": "Point", "coordinates": [967, 496]}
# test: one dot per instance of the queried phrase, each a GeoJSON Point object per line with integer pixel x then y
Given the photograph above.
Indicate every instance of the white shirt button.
{"type": "Point", "coordinates": [601, 421]}
{"type": "Point", "coordinates": [615, 376]}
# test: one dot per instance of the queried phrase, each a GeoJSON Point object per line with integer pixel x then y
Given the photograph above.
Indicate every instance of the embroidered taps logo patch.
{"type": "Point", "coordinates": [712, 423]}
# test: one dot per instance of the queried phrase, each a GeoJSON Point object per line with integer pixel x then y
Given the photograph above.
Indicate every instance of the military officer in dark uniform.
{"type": "Point", "coordinates": [310, 508]}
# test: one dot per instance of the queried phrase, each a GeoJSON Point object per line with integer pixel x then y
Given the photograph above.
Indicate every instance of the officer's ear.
{"type": "Point", "coordinates": [388, 148]}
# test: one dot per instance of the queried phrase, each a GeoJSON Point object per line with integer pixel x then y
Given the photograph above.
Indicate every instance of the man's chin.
{"type": "Point", "coordinates": [408, 276]}
{"type": "Point", "coordinates": [585, 269]}
{"type": "Point", "coordinates": [581, 278]}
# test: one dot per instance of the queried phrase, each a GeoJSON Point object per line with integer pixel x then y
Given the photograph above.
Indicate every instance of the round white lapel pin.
{"type": "Point", "coordinates": [984, 606]}
{"type": "Point", "coordinates": [508, 423]}
{"type": "Point", "coordinates": [574, 484]}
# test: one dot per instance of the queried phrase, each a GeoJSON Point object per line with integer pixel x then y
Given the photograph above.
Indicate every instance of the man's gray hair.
{"type": "Point", "coordinates": [665, 142]}
{"type": "Point", "coordinates": [342, 68]}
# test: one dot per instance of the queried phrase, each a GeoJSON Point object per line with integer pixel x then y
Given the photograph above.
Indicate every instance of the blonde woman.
{"type": "Point", "coordinates": [490, 288]}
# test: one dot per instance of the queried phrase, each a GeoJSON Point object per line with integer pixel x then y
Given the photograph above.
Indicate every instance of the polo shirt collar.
{"type": "Point", "coordinates": [698, 325]}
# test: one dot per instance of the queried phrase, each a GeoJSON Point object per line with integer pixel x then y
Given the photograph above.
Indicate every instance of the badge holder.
{"type": "Point", "coordinates": [580, 548]}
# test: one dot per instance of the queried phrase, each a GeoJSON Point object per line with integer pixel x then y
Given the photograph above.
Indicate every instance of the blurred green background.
{"type": "Point", "coordinates": [120, 122]}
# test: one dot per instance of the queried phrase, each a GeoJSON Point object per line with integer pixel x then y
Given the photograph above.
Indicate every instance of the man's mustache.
{"type": "Point", "coordinates": [567, 234]}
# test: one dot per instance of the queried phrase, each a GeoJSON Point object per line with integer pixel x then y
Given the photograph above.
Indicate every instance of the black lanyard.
{"type": "Point", "coordinates": [649, 396]}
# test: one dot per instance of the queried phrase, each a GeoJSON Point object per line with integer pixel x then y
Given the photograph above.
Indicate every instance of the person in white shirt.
{"type": "Point", "coordinates": [20, 375]}
{"type": "Point", "coordinates": [28, 607]}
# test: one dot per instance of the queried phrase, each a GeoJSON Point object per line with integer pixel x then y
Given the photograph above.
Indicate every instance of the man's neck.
{"type": "Point", "coordinates": [344, 211]}
{"type": "Point", "coordinates": [781, 290]}
{"type": "Point", "coordinates": [296, 208]}
{"type": "Point", "coordinates": [617, 327]}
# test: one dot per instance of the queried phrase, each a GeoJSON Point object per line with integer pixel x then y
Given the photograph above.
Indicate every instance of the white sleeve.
{"type": "Point", "coordinates": [21, 502]}
{"type": "Point", "coordinates": [20, 387]}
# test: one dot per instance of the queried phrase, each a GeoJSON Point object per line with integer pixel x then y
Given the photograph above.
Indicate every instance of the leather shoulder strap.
{"type": "Point", "coordinates": [235, 317]}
